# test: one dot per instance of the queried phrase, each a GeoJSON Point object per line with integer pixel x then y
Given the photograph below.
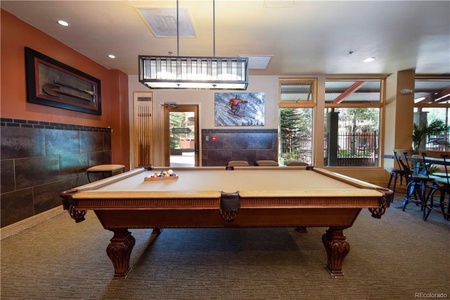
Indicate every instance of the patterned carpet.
{"type": "Point", "coordinates": [397, 257]}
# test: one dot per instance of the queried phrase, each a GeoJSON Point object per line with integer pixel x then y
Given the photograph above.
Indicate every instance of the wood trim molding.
{"type": "Point", "coordinates": [18, 227]}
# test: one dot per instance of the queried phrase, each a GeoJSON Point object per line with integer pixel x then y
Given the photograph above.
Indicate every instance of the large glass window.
{"type": "Point", "coordinates": [352, 122]}
{"type": "Point", "coordinates": [295, 135]}
{"type": "Point", "coordinates": [432, 91]}
{"type": "Point", "coordinates": [426, 119]}
{"type": "Point", "coordinates": [297, 92]}
{"type": "Point", "coordinates": [351, 136]}
{"type": "Point", "coordinates": [352, 92]}
{"type": "Point", "coordinates": [297, 98]}
{"type": "Point", "coordinates": [431, 114]}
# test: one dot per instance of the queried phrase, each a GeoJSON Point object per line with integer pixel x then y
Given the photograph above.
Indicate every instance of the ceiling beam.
{"type": "Point", "coordinates": [443, 96]}
{"type": "Point", "coordinates": [353, 88]}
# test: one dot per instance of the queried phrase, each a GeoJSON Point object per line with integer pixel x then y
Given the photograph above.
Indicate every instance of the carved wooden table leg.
{"type": "Point", "coordinates": [337, 248]}
{"type": "Point", "coordinates": [119, 251]}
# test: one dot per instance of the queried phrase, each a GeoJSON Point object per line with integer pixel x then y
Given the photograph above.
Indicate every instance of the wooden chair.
{"type": "Point", "coordinates": [443, 189]}
{"type": "Point", "coordinates": [237, 163]}
{"type": "Point", "coordinates": [395, 175]}
{"type": "Point", "coordinates": [105, 170]}
{"type": "Point", "coordinates": [417, 181]}
{"type": "Point", "coordinates": [295, 163]}
{"type": "Point", "coordinates": [266, 163]}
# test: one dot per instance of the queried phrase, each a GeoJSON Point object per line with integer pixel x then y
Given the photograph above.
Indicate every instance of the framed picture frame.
{"type": "Point", "coordinates": [239, 109]}
{"type": "Point", "coordinates": [52, 83]}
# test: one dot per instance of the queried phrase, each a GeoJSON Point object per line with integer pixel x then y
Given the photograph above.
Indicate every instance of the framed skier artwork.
{"type": "Point", "coordinates": [239, 109]}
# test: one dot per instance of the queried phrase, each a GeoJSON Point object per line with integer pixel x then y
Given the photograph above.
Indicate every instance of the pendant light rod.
{"type": "Point", "coordinates": [214, 28]}
{"type": "Point", "coordinates": [178, 31]}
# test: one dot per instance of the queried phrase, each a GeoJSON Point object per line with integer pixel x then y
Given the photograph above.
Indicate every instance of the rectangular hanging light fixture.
{"type": "Point", "coordinates": [182, 72]}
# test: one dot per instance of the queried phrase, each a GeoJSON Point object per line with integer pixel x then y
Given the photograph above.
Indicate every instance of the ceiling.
{"type": "Point", "coordinates": [302, 37]}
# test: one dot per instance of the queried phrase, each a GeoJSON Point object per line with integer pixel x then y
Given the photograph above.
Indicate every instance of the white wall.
{"type": "Point", "coordinates": [205, 99]}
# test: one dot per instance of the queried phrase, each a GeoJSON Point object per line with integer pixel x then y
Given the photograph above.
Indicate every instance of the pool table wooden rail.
{"type": "Point", "coordinates": [121, 210]}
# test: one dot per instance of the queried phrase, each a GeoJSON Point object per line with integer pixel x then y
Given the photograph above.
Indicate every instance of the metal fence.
{"type": "Point", "coordinates": [438, 142]}
{"type": "Point", "coordinates": [354, 150]}
{"type": "Point", "coordinates": [358, 149]}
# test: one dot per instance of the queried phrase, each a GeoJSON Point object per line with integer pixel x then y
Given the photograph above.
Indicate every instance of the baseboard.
{"type": "Point", "coordinates": [29, 222]}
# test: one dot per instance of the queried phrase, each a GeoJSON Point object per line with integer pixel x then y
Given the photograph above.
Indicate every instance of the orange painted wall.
{"type": "Point", "coordinates": [15, 35]}
{"type": "Point", "coordinates": [120, 123]}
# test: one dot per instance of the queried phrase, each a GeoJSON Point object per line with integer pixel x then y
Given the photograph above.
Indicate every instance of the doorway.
{"type": "Point", "coordinates": [181, 135]}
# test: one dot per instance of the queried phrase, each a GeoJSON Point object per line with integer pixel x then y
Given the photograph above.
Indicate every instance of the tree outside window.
{"type": "Point", "coordinates": [295, 134]}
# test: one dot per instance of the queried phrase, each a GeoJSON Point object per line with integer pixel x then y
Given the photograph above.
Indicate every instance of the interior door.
{"type": "Point", "coordinates": [181, 136]}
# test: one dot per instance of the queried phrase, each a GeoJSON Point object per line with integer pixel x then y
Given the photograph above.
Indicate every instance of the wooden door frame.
{"type": "Point", "coordinates": [180, 108]}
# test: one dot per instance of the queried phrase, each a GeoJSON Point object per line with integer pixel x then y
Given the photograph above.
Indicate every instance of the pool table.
{"type": "Point", "coordinates": [203, 197]}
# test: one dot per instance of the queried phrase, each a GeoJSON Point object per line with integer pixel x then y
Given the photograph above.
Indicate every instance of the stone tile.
{"type": "Point", "coordinates": [16, 206]}
{"type": "Point", "coordinates": [36, 171]}
{"type": "Point", "coordinates": [208, 145]}
{"type": "Point", "coordinates": [7, 176]}
{"type": "Point", "coordinates": [100, 158]}
{"type": "Point", "coordinates": [259, 140]}
{"type": "Point", "coordinates": [45, 161]}
{"type": "Point", "coordinates": [80, 179]}
{"type": "Point", "coordinates": [106, 141]}
{"type": "Point", "coordinates": [91, 141]}
{"type": "Point", "coordinates": [247, 155]}
{"type": "Point", "coordinates": [62, 142]}
{"type": "Point", "coordinates": [76, 181]}
{"type": "Point", "coordinates": [95, 176]}
{"type": "Point", "coordinates": [275, 141]}
{"type": "Point", "coordinates": [48, 196]}
{"type": "Point", "coordinates": [234, 141]}
{"type": "Point", "coordinates": [218, 144]}
{"type": "Point", "coordinates": [266, 154]}
{"type": "Point", "coordinates": [71, 164]}
{"type": "Point", "coordinates": [249, 145]}
{"type": "Point", "coordinates": [19, 142]}
{"type": "Point", "coordinates": [218, 157]}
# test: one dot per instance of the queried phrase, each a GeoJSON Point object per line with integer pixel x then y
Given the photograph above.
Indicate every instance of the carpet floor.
{"type": "Point", "coordinates": [397, 257]}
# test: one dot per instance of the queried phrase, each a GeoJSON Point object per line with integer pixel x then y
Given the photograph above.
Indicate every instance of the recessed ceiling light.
{"type": "Point", "coordinates": [369, 59]}
{"type": "Point", "coordinates": [111, 56]}
{"type": "Point", "coordinates": [63, 23]}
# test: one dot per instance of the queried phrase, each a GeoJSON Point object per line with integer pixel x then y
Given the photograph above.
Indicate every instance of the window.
{"type": "Point", "coordinates": [432, 92]}
{"type": "Point", "coordinates": [352, 91]}
{"type": "Point", "coordinates": [352, 122]}
{"type": "Point", "coordinates": [297, 92]}
{"type": "Point", "coordinates": [296, 102]}
{"type": "Point", "coordinates": [295, 135]}
{"type": "Point", "coordinates": [431, 107]}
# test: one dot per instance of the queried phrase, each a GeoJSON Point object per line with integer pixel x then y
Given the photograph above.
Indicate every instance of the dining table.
{"type": "Point", "coordinates": [438, 180]}
{"type": "Point", "coordinates": [418, 161]}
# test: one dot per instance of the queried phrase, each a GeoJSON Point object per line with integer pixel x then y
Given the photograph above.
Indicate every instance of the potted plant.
{"type": "Point", "coordinates": [420, 132]}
